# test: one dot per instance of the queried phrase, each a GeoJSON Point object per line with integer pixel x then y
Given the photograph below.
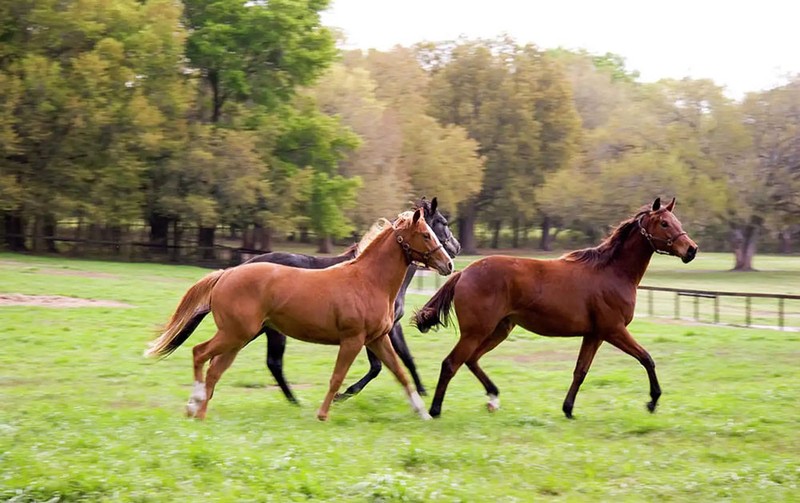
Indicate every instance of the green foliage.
{"type": "Point", "coordinates": [330, 197]}
{"type": "Point", "coordinates": [256, 51]}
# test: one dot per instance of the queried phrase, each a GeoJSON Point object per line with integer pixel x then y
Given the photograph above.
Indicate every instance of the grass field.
{"type": "Point", "coordinates": [85, 417]}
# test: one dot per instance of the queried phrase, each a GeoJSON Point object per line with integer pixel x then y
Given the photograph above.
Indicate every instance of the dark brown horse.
{"type": "Point", "coordinates": [587, 293]}
{"type": "Point", "coordinates": [350, 305]}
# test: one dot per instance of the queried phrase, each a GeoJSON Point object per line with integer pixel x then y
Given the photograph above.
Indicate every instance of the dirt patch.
{"type": "Point", "coordinates": [58, 301]}
{"type": "Point", "coordinates": [72, 272]}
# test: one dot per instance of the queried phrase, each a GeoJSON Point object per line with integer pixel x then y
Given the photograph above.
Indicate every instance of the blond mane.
{"type": "Point", "coordinates": [383, 225]}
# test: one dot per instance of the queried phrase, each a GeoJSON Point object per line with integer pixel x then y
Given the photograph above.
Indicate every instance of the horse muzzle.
{"type": "Point", "coordinates": [691, 253]}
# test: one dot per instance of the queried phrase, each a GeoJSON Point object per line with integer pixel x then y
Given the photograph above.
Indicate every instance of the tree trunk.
{"type": "Point", "coordinates": [248, 238]}
{"type": "Point", "coordinates": [515, 233]}
{"type": "Point", "coordinates": [262, 238]}
{"type": "Point", "coordinates": [159, 233]}
{"type": "Point", "coordinates": [177, 238]}
{"type": "Point", "coordinates": [785, 239]}
{"type": "Point", "coordinates": [466, 229]}
{"type": "Point", "coordinates": [496, 234]}
{"type": "Point", "coordinates": [546, 243]}
{"type": "Point", "coordinates": [325, 245]}
{"type": "Point", "coordinates": [205, 242]}
{"type": "Point", "coordinates": [49, 232]}
{"type": "Point", "coordinates": [15, 232]}
{"type": "Point", "coordinates": [304, 237]}
{"type": "Point", "coordinates": [744, 247]}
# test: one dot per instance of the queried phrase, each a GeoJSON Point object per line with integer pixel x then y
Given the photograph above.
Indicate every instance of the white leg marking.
{"type": "Point", "coordinates": [494, 403]}
{"type": "Point", "coordinates": [197, 397]}
{"type": "Point", "coordinates": [418, 405]}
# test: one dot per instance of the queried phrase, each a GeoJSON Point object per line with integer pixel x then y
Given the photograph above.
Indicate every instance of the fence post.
{"type": "Point", "coordinates": [716, 309]}
{"type": "Point", "coordinates": [747, 311]}
{"type": "Point", "coordinates": [650, 302]}
{"type": "Point", "coordinates": [780, 312]}
{"type": "Point", "coordinates": [677, 306]}
{"type": "Point", "coordinates": [696, 308]}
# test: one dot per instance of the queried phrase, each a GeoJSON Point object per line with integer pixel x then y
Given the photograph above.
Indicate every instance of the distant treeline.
{"type": "Point", "coordinates": [209, 114]}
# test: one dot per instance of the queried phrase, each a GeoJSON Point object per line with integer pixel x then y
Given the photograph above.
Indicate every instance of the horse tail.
{"type": "Point", "coordinates": [436, 312]}
{"type": "Point", "coordinates": [194, 306]}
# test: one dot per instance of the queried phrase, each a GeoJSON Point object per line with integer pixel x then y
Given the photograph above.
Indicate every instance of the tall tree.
{"type": "Point", "coordinates": [83, 118]}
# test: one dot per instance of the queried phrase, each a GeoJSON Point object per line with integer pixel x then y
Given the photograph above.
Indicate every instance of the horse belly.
{"type": "Point", "coordinates": [554, 322]}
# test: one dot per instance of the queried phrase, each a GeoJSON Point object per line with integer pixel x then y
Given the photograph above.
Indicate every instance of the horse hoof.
{"type": "Point", "coordinates": [422, 392]}
{"type": "Point", "coordinates": [341, 397]}
{"type": "Point", "coordinates": [651, 407]}
{"type": "Point", "coordinates": [425, 416]}
{"type": "Point", "coordinates": [493, 404]}
{"type": "Point", "coordinates": [322, 417]}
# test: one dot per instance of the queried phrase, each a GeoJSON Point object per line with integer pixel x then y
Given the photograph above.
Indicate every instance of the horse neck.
{"type": "Point", "coordinates": [386, 261]}
{"type": "Point", "coordinates": [634, 258]}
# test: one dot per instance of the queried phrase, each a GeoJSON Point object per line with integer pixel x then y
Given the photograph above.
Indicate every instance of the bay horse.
{"type": "Point", "coordinates": [349, 305]}
{"type": "Point", "coordinates": [276, 341]}
{"type": "Point", "coordinates": [589, 293]}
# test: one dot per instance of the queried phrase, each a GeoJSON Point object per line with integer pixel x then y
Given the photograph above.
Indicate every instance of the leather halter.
{"type": "Point", "coordinates": [650, 238]}
{"type": "Point", "coordinates": [412, 255]}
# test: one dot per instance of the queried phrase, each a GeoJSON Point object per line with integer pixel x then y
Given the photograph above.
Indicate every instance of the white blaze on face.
{"type": "Point", "coordinates": [437, 243]}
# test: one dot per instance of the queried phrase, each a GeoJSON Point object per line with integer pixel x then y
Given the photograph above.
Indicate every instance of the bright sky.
{"type": "Point", "coordinates": [743, 45]}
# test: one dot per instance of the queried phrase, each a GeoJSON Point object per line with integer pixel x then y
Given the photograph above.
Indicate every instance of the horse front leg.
{"type": "Point", "coordinates": [589, 348]}
{"type": "Point", "coordinates": [623, 340]}
{"type": "Point", "coordinates": [382, 347]}
{"type": "Point", "coordinates": [348, 350]}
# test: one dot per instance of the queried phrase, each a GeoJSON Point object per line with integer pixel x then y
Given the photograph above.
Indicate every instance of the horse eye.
{"type": "Point", "coordinates": [664, 224]}
{"type": "Point", "coordinates": [426, 236]}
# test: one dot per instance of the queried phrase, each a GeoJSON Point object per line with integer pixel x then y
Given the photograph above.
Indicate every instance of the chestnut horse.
{"type": "Point", "coordinates": [276, 341]}
{"type": "Point", "coordinates": [349, 305]}
{"type": "Point", "coordinates": [588, 293]}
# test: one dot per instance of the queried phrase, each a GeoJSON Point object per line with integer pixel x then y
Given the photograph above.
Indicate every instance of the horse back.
{"type": "Point", "coordinates": [549, 297]}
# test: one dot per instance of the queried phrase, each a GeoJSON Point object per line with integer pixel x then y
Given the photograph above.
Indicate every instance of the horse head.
{"type": "Point", "coordinates": [664, 232]}
{"type": "Point", "coordinates": [420, 243]}
{"type": "Point", "coordinates": [440, 226]}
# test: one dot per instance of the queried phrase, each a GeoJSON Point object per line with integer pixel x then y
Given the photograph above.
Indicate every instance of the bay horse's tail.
{"type": "Point", "coordinates": [436, 312]}
{"type": "Point", "coordinates": [194, 306]}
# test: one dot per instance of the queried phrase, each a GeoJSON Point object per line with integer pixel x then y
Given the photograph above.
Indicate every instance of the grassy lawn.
{"type": "Point", "coordinates": [85, 417]}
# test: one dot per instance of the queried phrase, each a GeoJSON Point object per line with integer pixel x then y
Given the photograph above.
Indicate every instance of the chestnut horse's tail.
{"type": "Point", "coordinates": [194, 306]}
{"type": "Point", "coordinates": [436, 312]}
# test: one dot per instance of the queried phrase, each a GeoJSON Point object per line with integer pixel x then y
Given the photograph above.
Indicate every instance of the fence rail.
{"type": "Point", "coordinates": [746, 309]}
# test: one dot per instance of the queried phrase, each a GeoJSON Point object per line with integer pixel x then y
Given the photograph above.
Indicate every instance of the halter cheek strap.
{"type": "Point", "coordinates": [650, 238]}
{"type": "Point", "coordinates": [415, 256]}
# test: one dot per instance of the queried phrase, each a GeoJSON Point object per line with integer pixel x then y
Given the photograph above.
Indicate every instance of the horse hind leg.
{"type": "Point", "coordinates": [276, 346]}
{"type": "Point", "coordinates": [401, 348]}
{"type": "Point", "coordinates": [463, 349]}
{"type": "Point", "coordinates": [354, 389]}
{"type": "Point", "coordinates": [202, 353]}
{"type": "Point", "coordinates": [499, 335]}
{"type": "Point", "coordinates": [219, 364]}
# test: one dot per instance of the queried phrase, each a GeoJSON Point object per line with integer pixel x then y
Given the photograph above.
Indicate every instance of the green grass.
{"type": "Point", "coordinates": [85, 417]}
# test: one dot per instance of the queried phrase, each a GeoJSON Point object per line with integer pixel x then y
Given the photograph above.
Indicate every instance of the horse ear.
{"type": "Point", "coordinates": [671, 205]}
{"type": "Point", "coordinates": [434, 205]}
{"type": "Point", "coordinates": [417, 214]}
{"type": "Point", "coordinates": [657, 204]}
